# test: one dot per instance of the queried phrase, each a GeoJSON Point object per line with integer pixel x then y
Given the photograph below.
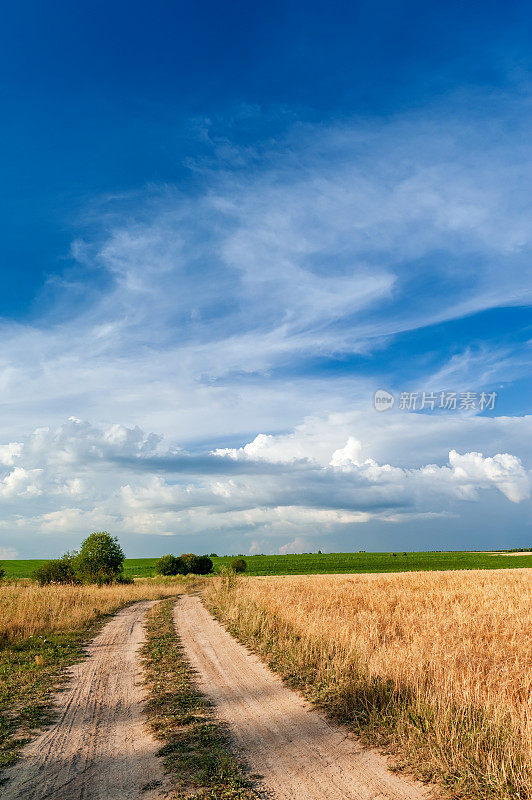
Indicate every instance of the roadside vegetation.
{"type": "Point", "coordinates": [434, 668]}
{"type": "Point", "coordinates": [185, 564]}
{"type": "Point", "coordinates": [99, 560]}
{"type": "Point", "coordinates": [196, 751]}
{"type": "Point", "coordinates": [28, 610]}
{"type": "Point", "coordinates": [42, 631]}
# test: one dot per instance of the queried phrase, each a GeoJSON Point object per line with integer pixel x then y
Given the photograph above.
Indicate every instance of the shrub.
{"type": "Point", "coordinates": [203, 565]}
{"type": "Point", "coordinates": [100, 559]}
{"type": "Point", "coordinates": [198, 565]}
{"type": "Point", "coordinates": [188, 561]}
{"type": "Point", "coordinates": [2, 572]}
{"type": "Point", "coordinates": [169, 565]}
{"type": "Point", "coordinates": [58, 570]}
{"type": "Point", "coordinates": [238, 565]}
{"type": "Point", "coordinates": [124, 579]}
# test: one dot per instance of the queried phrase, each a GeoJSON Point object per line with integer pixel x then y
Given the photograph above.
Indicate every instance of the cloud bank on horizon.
{"type": "Point", "coordinates": [77, 477]}
{"type": "Point", "coordinates": [201, 365]}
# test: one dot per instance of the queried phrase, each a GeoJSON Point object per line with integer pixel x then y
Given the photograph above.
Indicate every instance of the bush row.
{"type": "Point", "coordinates": [99, 560]}
{"type": "Point", "coordinates": [183, 564]}
{"type": "Point", "coordinates": [190, 563]}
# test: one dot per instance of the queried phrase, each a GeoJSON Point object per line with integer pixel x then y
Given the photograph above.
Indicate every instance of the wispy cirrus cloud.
{"type": "Point", "coordinates": [325, 242]}
{"type": "Point", "coordinates": [220, 310]}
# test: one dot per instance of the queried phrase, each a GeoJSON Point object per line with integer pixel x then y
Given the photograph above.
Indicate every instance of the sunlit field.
{"type": "Point", "coordinates": [27, 609]}
{"type": "Point", "coordinates": [437, 666]}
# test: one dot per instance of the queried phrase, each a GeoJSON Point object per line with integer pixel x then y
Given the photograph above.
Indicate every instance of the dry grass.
{"type": "Point", "coordinates": [435, 666]}
{"type": "Point", "coordinates": [42, 632]}
{"type": "Point", "coordinates": [27, 609]}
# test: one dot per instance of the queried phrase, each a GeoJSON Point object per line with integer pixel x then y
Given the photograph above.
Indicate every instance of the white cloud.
{"type": "Point", "coordinates": [266, 447]}
{"type": "Point", "coordinates": [471, 471]}
{"type": "Point", "coordinates": [218, 311]}
{"type": "Point", "coordinates": [298, 545]}
{"type": "Point", "coordinates": [466, 472]}
{"type": "Point", "coordinates": [306, 248]}
{"type": "Point", "coordinates": [8, 553]}
{"type": "Point", "coordinates": [9, 453]}
{"type": "Point", "coordinates": [348, 455]}
{"type": "Point", "coordinates": [79, 477]}
{"type": "Point", "coordinates": [21, 483]}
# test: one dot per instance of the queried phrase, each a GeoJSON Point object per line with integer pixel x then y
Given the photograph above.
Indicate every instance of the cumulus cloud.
{"type": "Point", "coordinates": [464, 474]}
{"type": "Point", "coordinates": [21, 482]}
{"type": "Point", "coordinates": [8, 553]}
{"type": "Point", "coordinates": [298, 545]}
{"type": "Point", "coordinates": [79, 477]}
{"type": "Point", "coordinates": [269, 448]}
{"type": "Point", "coordinates": [348, 455]}
{"type": "Point", "coordinates": [471, 471]}
{"type": "Point", "coordinates": [10, 452]}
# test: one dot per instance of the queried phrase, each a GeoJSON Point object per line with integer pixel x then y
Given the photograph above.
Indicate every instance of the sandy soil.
{"type": "Point", "coordinates": [99, 748]}
{"type": "Point", "coordinates": [300, 755]}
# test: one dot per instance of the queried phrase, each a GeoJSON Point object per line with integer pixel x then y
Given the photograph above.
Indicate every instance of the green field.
{"type": "Point", "coordinates": [312, 563]}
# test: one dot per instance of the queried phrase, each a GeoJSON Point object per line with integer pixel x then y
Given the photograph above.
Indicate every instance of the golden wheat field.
{"type": "Point", "coordinates": [27, 609]}
{"type": "Point", "coordinates": [437, 666]}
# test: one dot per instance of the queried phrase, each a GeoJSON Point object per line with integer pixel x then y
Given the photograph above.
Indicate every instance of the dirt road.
{"type": "Point", "coordinates": [300, 755]}
{"type": "Point", "coordinates": [99, 748]}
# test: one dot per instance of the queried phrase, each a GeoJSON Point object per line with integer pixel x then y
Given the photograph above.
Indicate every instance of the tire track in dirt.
{"type": "Point", "coordinates": [298, 753]}
{"type": "Point", "coordinates": [99, 748]}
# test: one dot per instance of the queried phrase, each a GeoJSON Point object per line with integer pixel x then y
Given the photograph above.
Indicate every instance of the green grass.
{"type": "Point", "coordinates": [312, 563]}
{"type": "Point", "coordinates": [196, 750]}
{"type": "Point", "coordinates": [374, 562]}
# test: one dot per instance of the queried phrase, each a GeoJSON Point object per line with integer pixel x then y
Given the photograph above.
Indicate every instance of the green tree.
{"type": "Point", "coordinates": [169, 565]}
{"type": "Point", "coordinates": [203, 565]}
{"type": "Point", "coordinates": [2, 572]}
{"type": "Point", "coordinates": [58, 570]}
{"type": "Point", "coordinates": [188, 562]}
{"type": "Point", "coordinates": [238, 565]}
{"type": "Point", "coordinates": [197, 565]}
{"type": "Point", "coordinates": [100, 559]}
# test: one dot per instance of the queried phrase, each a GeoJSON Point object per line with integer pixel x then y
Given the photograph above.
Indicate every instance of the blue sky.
{"type": "Point", "coordinates": [224, 227]}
